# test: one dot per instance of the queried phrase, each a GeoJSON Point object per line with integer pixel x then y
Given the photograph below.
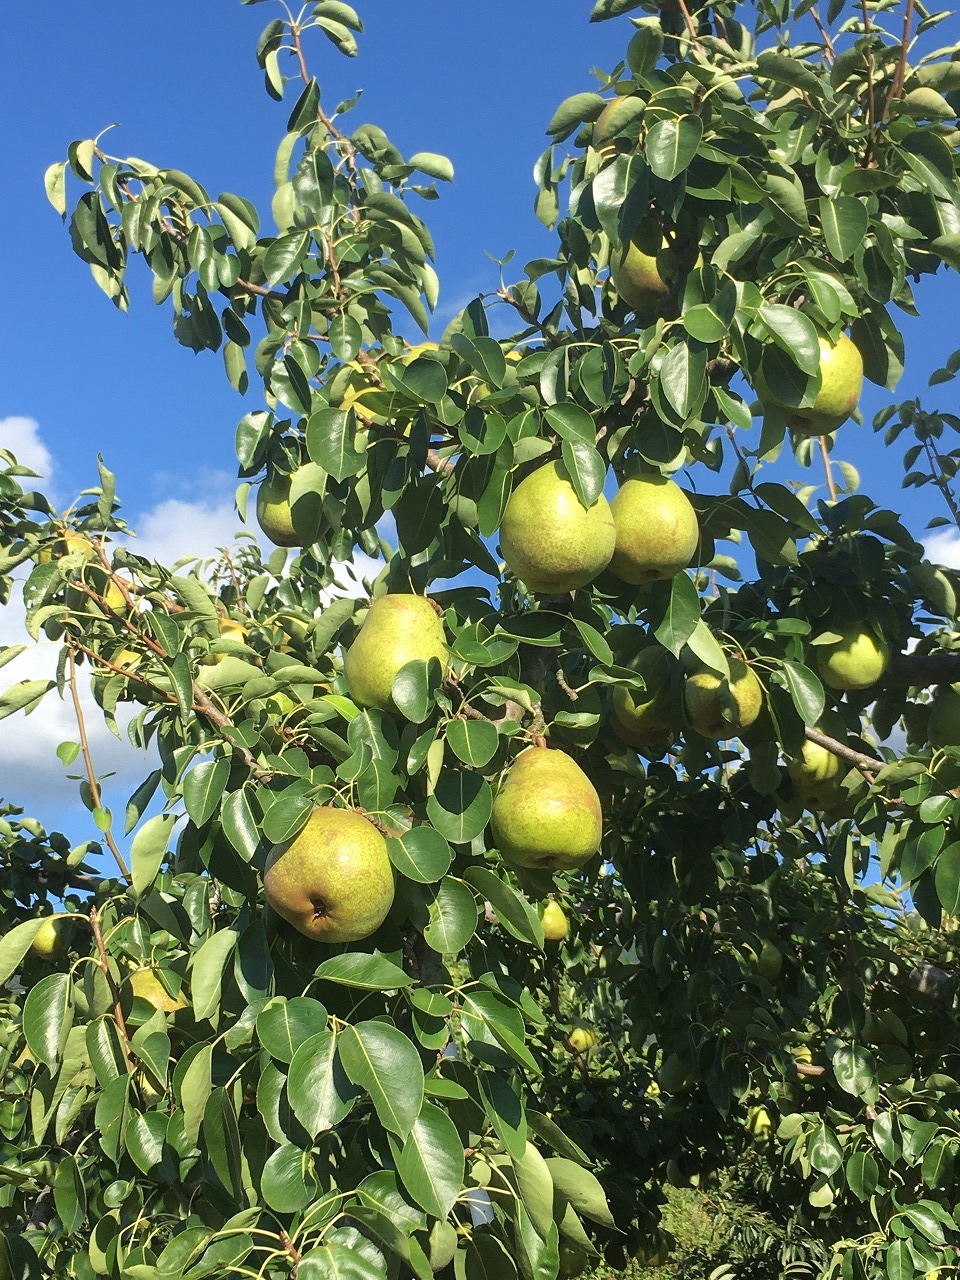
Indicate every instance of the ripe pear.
{"type": "Point", "coordinates": [547, 813]}
{"type": "Point", "coordinates": [711, 713]}
{"type": "Point", "coordinates": [397, 630]}
{"type": "Point", "coordinates": [841, 382]}
{"type": "Point", "coordinates": [943, 727]}
{"type": "Point", "coordinates": [644, 719]}
{"type": "Point", "coordinates": [581, 1039]}
{"type": "Point", "coordinates": [333, 881]}
{"type": "Point", "coordinates": [554, 921]}
{"type": "Point", "coordinates": [657, 530]}
{"type": "Point", "coordinates": [275, 512]}
{"type": "Point", "coordinates": [643, 279]}
{"type": "Point", "coordinates": [816, 775]}
{"type": "Point", "coordinates": [48, 943]}
{"type": "Point", "coordinates": [856, 661]}
{"type": "Point", "coordinates": [549, 539]}
{"type": "Point", "coordinates": [145, 984]}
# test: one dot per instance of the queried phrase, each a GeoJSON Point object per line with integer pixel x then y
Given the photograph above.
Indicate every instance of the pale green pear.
{"type": "Point", "coordinates": [397, 630]}
{"type": "Point", "coordinates": [333, 881]}
{"type": "Point", "coordinates": [841, 382]}
{"type": "Point", "coordinates": [711, 713]}
{"type": "Point", "coordinates": [856, 661]}
{"type": "Point", "coordinates": [549, 539]}
{"type": "Point", "coordinates": [547, 813]}
{"type": "Point", "coordinates": [644, 719]}
{"type": "Point", "coordinates": [274, 513]}
{"type": "Point", "coordinates": [816, 775]}
{"type": "Point", "coordinates": [554, 922]}
{"type": "Point", "coordinates": [641, 278]}
{"type": "Point", "coordinates": [657, 530]}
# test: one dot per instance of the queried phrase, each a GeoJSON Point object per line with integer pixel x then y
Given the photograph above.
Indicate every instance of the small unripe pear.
{"type": "Point", "coordinates": [549, 539]}
{"type": "Point", "coordinates": [145, 984]}
{"type": "Point", "coordinates": [657, 530]}
{"type": "Point", "coordinates": [48, 943]}
{"type": "Point", "coordinates": [398, 629]}
{"type": "Point", "coordinates": [856, 661]}
{"type": "Point", "coordinates": [713, 715]}
{"type": "Point", "coordinates": [547, 813]}
{"type": "Point", "coordinates": [581, 1039]}
{"type": "Point", "coordinates": [641, 278]}
{"type": "Point", "coordinates": [555, 924]}
{"type": "Point", "coordinates": [274, 511]}
{"type": "Point", "coordinates": [333, 881]}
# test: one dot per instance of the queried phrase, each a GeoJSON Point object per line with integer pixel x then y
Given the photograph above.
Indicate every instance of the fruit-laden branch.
{"type": "Point", "coordinates": [866, 764]}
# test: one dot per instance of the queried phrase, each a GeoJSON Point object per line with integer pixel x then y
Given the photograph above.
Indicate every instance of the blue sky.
{"type": "Point", "coordinates": [476, 82]}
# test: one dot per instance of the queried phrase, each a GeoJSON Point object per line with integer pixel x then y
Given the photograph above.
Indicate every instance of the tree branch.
{"type": "Point", "coordinates": [114, 992]}
{"type": "Point", "coordinates": [866, 764]}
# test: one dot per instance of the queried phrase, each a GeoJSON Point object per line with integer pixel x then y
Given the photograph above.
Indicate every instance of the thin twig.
{"type": "Point", "coordinates": [114, 991]}
{"type": "Point", "coordinates": [829, 51]}
{"type": "Point", "coordinates": [896, 84]}
{"type": "Point", "coordinates": [691, 30]}
{"type": "Point", "coordinates": [940, 479]}
{"type": "Point", "coordinates": [92, 782]}
{"type": "Point", "coordinates": [871, 104]}
{"type": "Point", "coordinates": [828, 468]}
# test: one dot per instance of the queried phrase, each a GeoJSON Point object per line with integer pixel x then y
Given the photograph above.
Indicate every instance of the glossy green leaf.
{"type": "Point", "coordinates": [48, 1017]}
{"type": "Point", "coordinates": [460, 806]}
{"type": "Point", "coordinates": [283, 1025]}
{"type": "Point", "coordinates": [514, 912]}
{"type": "Point", "coordinates": [430, 1162]}
{"type": "Point", "coordinates": [318, 1089]}
{"type": "Point", "coordinates": [420, 854]}
{"type": "Point", "coordinates": [453, 917]}
{"type": "Point", "coordinates": [672, 144]}
{"type": "Point", "coordinates": [365, 972]}
{"type": "Point", "coordinates": [383, 1062]}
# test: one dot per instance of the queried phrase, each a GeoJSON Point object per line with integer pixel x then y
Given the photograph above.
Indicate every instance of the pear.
{"type": "Point", "coordinates": [608, 123]}
{"type": "Point", "coordinates": [841, 382]}
{"type": "Point", "coordinates": [145, 984]}
{"type": "Point", "coordinates": [49, 940]}
{"type": "Point", "coordinates": [943, 727]}
{"type": "Point", "coordinates": [333, 881]}
{"type": "Point", "coordinates": [582, 1039]}
{"type": "Point", "coordinates": [274, 511]}
{"type": "Point", "coordinates": [711, 713]}
{"type": "Point", "coordinates": [549, 539]}
{"type": "Point", "coordinates": [657, 532]}
{"type": "Point", "coordinates": [554, 921]}
{"type": "Point", "coordinates": [816, 775]}
{"type": "Point", "coordinates": [856, 661]}
{"type": "Point", "coordinates": [643, 279]}
{"type": "Point", "coordinates": [547, 813]}
{"type": "Point", "coordinates": [397, 630]}
{"type": "Point", "coordinates": [644, 719]}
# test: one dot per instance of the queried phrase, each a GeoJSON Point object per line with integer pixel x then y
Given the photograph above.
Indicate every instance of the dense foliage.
{"type": "Point", "coordinates": [757, 992]}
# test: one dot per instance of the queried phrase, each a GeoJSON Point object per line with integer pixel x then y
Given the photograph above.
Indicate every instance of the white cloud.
{"type": "Point", "coordinates": [943, 547]}
{"type": "Point", "coordinates": [21, 436]}
{"type": "Point", "coordinates": [175, 528]}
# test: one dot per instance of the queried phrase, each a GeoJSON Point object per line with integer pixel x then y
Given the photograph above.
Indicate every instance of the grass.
{"type": "Point", "coordinates": [686, 1217]}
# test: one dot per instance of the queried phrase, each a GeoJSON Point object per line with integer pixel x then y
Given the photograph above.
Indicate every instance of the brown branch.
{"type": "Point", "coordinates": [871, 104]}
{"type": "Point", "coordinates": [939, 479]}
{"type": "Point", "coordinates": [114, 991]}
{"type": "Point", "coordinates": [92, 782]}
{"type": "Point", "coordinates": [866, 764]}
{"type": "Point", "coordinates": [899, 75]}
{"type": "Point", "coordinates": [809, 1069]}
{"type": "Point", "coordinates": [829, 51]}
{"type": "Point", "coordinates": [691, 30]}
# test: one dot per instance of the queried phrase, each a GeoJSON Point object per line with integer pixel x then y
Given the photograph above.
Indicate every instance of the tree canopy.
{"type": "Point", "coordinates": [609, 837]}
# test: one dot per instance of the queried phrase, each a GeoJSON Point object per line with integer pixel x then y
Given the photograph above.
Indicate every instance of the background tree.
{"type": "Point", "coordinates": [667, 725]}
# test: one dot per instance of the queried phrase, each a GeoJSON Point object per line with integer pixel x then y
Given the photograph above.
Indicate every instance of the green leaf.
{"type": "Point", "coordinates": [806, 691]}
{"type": "Point", "coordinates": [672, 144]}
{"type": "Point", "coordinates": [433, 165]}
{"type": "Point", "coordinates": [535, 1184]}
{"type": "Point", "coordinates": [683, 377]}
{"type": "Point", "coordinates": [505, 1110]}
{"type": "Point", "coordinates": [287, 1181]}
{"type": "Point", "coordinates": [844, 221]}
{"type": "Point", "coordinates": [320, 1094]}
{"type": "Point", "coordinates": [221, 1140]}
{"type": "Point", "coordinates": [947, 879]}
{"type": "Point", "coordinates": [572, 112]}
{"type": "Point", "coordinates": [383, 1062]}
{"type": "Point", "coordinates": [420, 854]}
{"type": "Point", "coordinates": [283, 1025]}
{"type": "Point", "coordinates": [862, 1174]}
{"type": "Point", "coordinates": [514, 912]}
{"type": "Point", "coordinates": [453, 917]}
{"type": "Point", "coordinates": [69, 1194]}
{"type": "Point", "coordinates": [825, 1152]}
{"type": "Point", "coordinates": [415, 688]}
{"type": "Point", "coordinates": [241, 823]}
{"type": "Point", "coordinates": [586, 469]}
{"type": "Point", "coordinates": [430, 1162]}
{"type": "Point", "coordinates": [856, 1071]}
{"type": "Point", "coordinates": [674, 611]}
{"type": "Point", "coordinates": [582, 1189]}
{"type": "Point", "coordinates": [474, 742]}
{"type": "Point", "coordinates": [48, 1017]}
{"type": "Point", "coordinates": [203, 786]}
{"type": "Point", "coordinates": [206, 975]}
{"type": "Point", "coordinates": [346, 337]}
{"type": "Point", "coordinates": [23, 696]}
{"type": "Point", "coordinates": [899, 1261]}
{"type": "Point", "coordinates": [794, 332]}
{"type": "Point", "coordinates": [282, 260]}
{"type": "Point", "coordinates": [286, 816]}
{"type": "Point", "coordinates": [54, 183]}
{"type": "Point", "coordinates": [460, 806]}
{"type": "Point", "coordinates": [330, 443]}
{"type": "Point", "coordinates": [366, 972]}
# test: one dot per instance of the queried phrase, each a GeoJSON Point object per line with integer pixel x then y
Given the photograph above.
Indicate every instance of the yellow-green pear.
{"type": "Point", "coordinates": [816, 775]}
{"type": "Point", "coordinates": [581, 1039]}
{"type": "Point", "coordinates": [856, 661]}
{"type": "Point", "coordinates": [549, 539]}
{"type": "Point", "coordinates": [333, 881]}
{"type": "Point", "coordinates": [547, 813]}
{"type": "Point", "coordinates": [145, 984]}
{"type": "Point", "coordinates": [841, 382]}
{"type": "Point", "coordinates": [554, 922]}
{"type": "Point", "coordinates": [398, 629]}
{"type": "Point", "coordinates": [718, 716]}
{"type": "Point", "coordinates": [49, 940]}
{"type": "Point", "coordinates": [943, 727]}
{"type": "Point", "coordinates": [656, 530]}
{"type": "Point", "coordinates": [275, 511]}
{"type": "Point", "coordinates": [644, 719]}
{"type": "Point", "coordinates": [641, 278]}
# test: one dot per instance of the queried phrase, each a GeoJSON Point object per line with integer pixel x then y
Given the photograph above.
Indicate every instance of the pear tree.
{"type": "Point", "coordinates": [609, 841]}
